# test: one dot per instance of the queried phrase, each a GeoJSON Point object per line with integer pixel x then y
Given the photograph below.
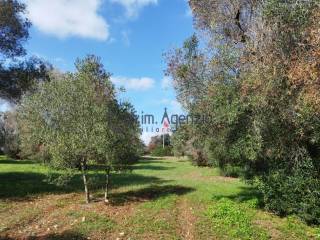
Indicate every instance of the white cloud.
{"type": "Point", "coordinates": [138, 84]}
{"type": "Point", "coordinates": [166, 83]}
{"type": "Point", "coordinates": [173, 105]}
{"type": "Point", "coordinates": [133, 7]}
{"type": "Point", "coordinates": [65, 18]}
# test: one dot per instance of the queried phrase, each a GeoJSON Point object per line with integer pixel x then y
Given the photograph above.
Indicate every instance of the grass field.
{"type": "Point", "coordinates": [162, 198]}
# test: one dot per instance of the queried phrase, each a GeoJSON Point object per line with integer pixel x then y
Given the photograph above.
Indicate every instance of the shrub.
{"type": "Point", "coordinates": [198, 157]}
{"type": "Point", "coordinates": [296, 193]}
{"type": "Point", "coordinates": [232, 171]}
{"type": "Point", "coordinates": [159, 151]}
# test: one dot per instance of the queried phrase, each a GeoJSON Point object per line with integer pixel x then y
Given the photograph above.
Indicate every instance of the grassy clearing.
{"type": "Point", "coordinates": [162, 198]}
{"type": "Point", "coordinates": [91, 222]}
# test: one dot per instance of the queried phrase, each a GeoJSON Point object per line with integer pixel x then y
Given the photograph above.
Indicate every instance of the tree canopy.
{"type": "Point", "coordinates": [14, 28]}
{"type": "Point", "coordinates": [77, 120]}
{"type": "Point", "coordinates": [17, 76]}
{"type": "Point", "coordinates": [258, 80]}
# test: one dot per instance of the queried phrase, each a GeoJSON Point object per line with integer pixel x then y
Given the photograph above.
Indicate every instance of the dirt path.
{"type": "Point", "coordinates": [186, 220]}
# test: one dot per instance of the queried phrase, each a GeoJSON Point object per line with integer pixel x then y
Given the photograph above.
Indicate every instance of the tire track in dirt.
{"type": "Point", "coordinates": [186, 220]}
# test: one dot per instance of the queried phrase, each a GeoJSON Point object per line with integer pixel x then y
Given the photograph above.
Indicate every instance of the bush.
{"type": "Point", "coordinates": [293, 195]}
{"type": "Point", "coordinates": [232, 171]}
{"type": "Point", "coordinates": [297, 193]}
{"type": "Point", "coordinates": [159, 151]}
{"type": "Point", "coordinates": [198, 157]}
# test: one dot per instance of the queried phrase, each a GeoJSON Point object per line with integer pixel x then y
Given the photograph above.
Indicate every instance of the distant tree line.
{"type": "Point", "coordinates": [160, 146]}
{"type": "Point", "coordinates": [254, 68]}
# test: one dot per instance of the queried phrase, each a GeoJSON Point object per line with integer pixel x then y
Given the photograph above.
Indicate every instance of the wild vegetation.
{"type": "Point", "coordinates": [257, 78]}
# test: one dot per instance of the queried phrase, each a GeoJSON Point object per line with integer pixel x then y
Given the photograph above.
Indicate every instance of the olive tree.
{"type": "Point", "coordinates": [73, 118]}
{"type": "Point", "coordinates": [257, 78]}
{"type": "Point", "coordinates": [125, 144]}
{"type": "Point", "coordinates": [9, 140]}
{"type": "Point", "coordinates": [17, 74]}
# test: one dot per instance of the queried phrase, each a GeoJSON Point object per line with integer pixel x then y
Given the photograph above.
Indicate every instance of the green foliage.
{"type": "Point", "coordinates": [13, 28]}
{"type": "Point", "coordinates": [61, 179]}
{"type": "Point", "coordinates": [186, 143]}
{"type": "Point", "coordinates": [160, 140]}
{"type": "Point", "coordinates": [68, 115]}
{"type": "Point", "coordinates": [76, 121]}
{"type": "Point", "coordinates": [9, 134]}
{"type": "Point", "coordinates": [20, 77]}
{"type": "Point", "coordinates": [296, 193]}
{"type": "Point", "coordinates": [17, 75]}
{"type": "Point", "coordinates": [256, 79]}
{"type": "Point", "coordinates": [179, 141]}
{"type": "Point", "coordinates": [160, 146]}
{"type": "Point", "coordinates": [159, 151]}
{"type": "Point", "coordinates": [75, 117]}
{"type": "Point", "coordinates": [234, 221]}
{"type": "Point", "coordinates": [229, 170]}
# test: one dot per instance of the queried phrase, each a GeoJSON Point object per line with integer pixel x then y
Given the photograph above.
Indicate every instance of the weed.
{"type": "Point", "coordinates": [234, 221]}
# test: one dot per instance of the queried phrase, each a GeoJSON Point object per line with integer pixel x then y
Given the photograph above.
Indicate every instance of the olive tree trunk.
{"type": "Point", "coordinates": [85, 181]}
{"type": "Point", "coordinates": [106, 193]}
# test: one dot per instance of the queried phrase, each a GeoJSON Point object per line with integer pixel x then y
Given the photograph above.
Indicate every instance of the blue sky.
{"type": "Point", "coordinates": [130, 36]}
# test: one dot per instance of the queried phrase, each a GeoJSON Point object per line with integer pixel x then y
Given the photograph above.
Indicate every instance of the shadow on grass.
{"type": "Point", "coordinates": [8, 161]}
{"type": "Point", "coordinates": [142, 165]}
{"type": "Point", "coordinates": [67, 235]}
{"type": "Point", "coordinates": [155, 161]}
{"type": "Point", "coordinates": [149, 193]}
{"type": "Point", "coordinates": [127, 179]}
{"type": "Point", "coordinates": [22, 185]}
{"type": "Point", "coordinates": [246, 194]}
{"type": "Point", "coordinates": [148, 159]}
{"type": "Point", "coordinates": [150, 167]}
